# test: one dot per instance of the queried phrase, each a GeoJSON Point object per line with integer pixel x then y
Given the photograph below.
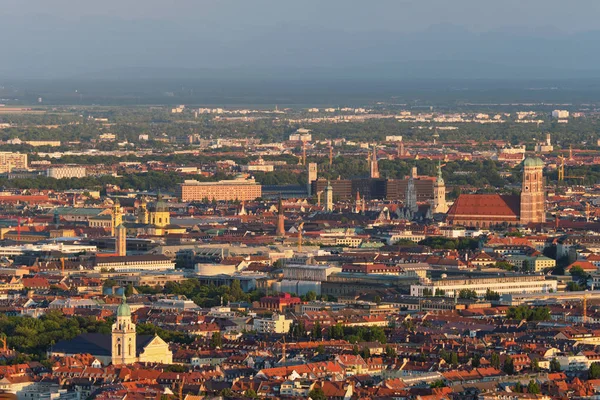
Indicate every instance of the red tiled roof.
{"type": "Point", "coordinates": [486, 205]}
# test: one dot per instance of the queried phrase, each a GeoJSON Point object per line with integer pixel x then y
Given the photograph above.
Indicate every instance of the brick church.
{"type": "Point", "coordinates": [485, 210]}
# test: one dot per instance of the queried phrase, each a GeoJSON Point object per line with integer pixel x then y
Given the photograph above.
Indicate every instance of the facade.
{"type": "Point", "coordinates": [159, 214]}
{"type": "Point", "coordinates": [276, 324]}
{"type": "Point", "coordinates": [10, 161]}
{"type": "Point", "coordinates": [231, 190]}
{"type": "Point", "coordinates": [383, 189]}
{"type": "Point", "coordinates": [134, 263]}
{"type": "Point", "coordinates": [280, 302]}
{"type": "Point", "coordinates": [560, 114]}
{"type": "Point", "coordinates": [516, 284]}
{"type": "Point", "coordinates": [312, 176]}
{"type": "Point", "coordinates": [65, 172]}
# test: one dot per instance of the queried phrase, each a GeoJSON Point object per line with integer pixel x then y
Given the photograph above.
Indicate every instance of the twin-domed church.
{"type": "Point", "coordinates": [123, 346]}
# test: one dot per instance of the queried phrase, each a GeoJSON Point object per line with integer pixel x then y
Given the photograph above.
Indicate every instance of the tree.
{"type": "Point", "coordinates": [454, 359]}
{"type": "Point", "coordinates": [216, 340]}
{"type": "Point", "coordinates": [390, 352]}
{"type": "Point", "coordinates": [555, 365]}
{"type": "Point", "coordinates": [594, 371]}
{"type": "Point", "coordinates": [336, 331]}
{"type": "Point", "coordinates": [533, 387]}
{"type": "Point", "coordinates": [518, 387]}
{"type": "Point", "coordinates": [526, 266]}
{"type": "Point", "coordinates": [467, 294]}
{"type": "Point", "coordinates": [577, 273]}
{"type": "Point", "coordinates": [495, 360]}
{"type": "Point", "coordinates": [476, 361]}
{"type": "Point", "coordinates": [251, 393]}
{"type": "Point", "coordinates": [509, 366]}
{"type": "Point", "coordinates": [491, 295]}
{"type": "Point", "coordinates": [317, 394]}
{"type": "Point", "coordinates": [377, 300]}
{"type": "Point", "coordinates": [310, 296]}
{"type": "Point", "coordinates": [317, 331]}
{"type": "Point", "coordinates": [129, 290]}
{"type": "Point", "coordinates": [365, 353]}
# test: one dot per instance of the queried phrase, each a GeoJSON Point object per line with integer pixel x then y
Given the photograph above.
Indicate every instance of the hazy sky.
{"type": "Point", "coordinates": [351, 15]}
{"type": "Point", "coordinates": [401, 38]}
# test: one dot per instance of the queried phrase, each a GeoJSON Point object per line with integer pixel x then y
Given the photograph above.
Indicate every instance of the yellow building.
{"type": "Point", "coordinates": [159, 215]}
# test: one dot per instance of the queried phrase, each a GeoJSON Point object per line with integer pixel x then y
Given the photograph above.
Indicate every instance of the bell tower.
{"type": "Point", "coordinates": [439, 193]}
{"type": "Point", "coordinates": [123, 336]}
{"type": "Point", "coordinates": [117, 216]}
{"type": "Point", "coordinates": [532, 192]}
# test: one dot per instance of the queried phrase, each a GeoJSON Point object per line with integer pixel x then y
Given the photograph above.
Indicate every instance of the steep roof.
{"type": "Point", "coordinates": [96, 344]}
{"type": "Point", "coordinates": [486, 205]}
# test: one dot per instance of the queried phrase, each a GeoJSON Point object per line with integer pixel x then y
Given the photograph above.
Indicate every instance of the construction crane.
{"type": "Point", "coordinates": [303, 152]}
{"type": "Point", "coordinates": [561, 171]}
{"type": "Point", "coordinates": [584, 301]}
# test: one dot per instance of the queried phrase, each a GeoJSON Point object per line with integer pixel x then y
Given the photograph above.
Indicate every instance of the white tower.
{"type": "Point", "coordinates": [123, 336]}
{"type": "Point", "coordinates": [328, 197]}
{"type": "Point", "coordinates": [439, 193]}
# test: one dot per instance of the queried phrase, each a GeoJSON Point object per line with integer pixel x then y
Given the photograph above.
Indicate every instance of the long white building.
{"type": "Point", "coordinates": [514, 284]}
{"type": "Point", "coordinates": [134, 263]}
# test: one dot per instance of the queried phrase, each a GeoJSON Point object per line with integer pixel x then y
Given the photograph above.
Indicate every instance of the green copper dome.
{"type": "Point", "coordinates": [124, 310]}
{"type": "Point", "coordinates": [533, 162]}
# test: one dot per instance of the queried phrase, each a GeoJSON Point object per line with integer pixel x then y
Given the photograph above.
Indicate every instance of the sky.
{"type": "Point", "coordinates": [61, 38]}
{"type": "Point", "coordinates": [352, 15]}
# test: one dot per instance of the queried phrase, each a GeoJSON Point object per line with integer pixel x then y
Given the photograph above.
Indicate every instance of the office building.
{"type": "Point", "coordinates": [65, 172]}
{"type": "Point", "coordinates": [230, 190]}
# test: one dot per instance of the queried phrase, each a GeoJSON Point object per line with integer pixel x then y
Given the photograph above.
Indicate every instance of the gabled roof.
{"type": "Point", "coordinates": [486, 205]}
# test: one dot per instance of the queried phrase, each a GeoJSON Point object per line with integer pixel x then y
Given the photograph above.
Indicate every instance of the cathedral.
{"type": "Point", "coordinates": [153, 219]}
{"type": "Point", "coordinates": [123, 346]}
{"type": "Point", "coordinates": [485, 210]}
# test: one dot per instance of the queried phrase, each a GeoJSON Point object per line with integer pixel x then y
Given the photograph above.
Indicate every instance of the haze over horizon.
{"type": "Point", "coordinates": [464, 39]}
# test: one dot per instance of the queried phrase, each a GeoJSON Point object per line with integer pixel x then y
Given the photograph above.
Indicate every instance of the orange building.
{"type": "Point", "coordinates": [237, 189]}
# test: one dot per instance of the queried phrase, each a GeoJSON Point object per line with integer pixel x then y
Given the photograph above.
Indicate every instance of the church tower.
{"type": "Point", "coordinates": [142, 217]}
{"type": "Point", "coordinates": [123, 336]}
{"type": "Point", "coordinates": [374, 166]}
{"type": "Point", "coordinates": [121, 240]}
{"type": "Point", "coordinates": [328, 197]}
{"type": "Point", "coordinates": [280, 219]}
{"type": "Point", "coordinates": [117, 216]}
{"type": "Point", "coordinates": [410, 198]}
{"type": "Point", "coordinates": [439, 193]}
{"type": "Point", "coordinates": [532, 192]}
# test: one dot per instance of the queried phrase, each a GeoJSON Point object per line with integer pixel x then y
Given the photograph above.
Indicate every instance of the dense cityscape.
{"type": "Point", "coordinates": [289, 200]}
{"type": "Point", "coordinates": [376, 252]}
